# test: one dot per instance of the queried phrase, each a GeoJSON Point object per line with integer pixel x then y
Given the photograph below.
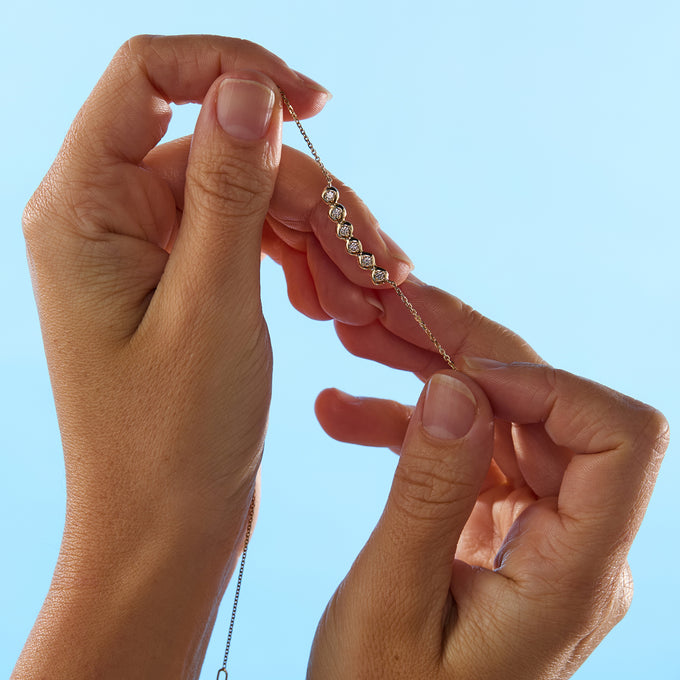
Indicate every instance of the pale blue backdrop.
{"type": "Point", "coordinates": [526, 155]}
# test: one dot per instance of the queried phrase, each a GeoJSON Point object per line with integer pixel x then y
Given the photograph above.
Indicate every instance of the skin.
{"type": "Point", "coordinates": [490, 544]}
{"type": "Point", "coordinates": [145, 263]}
{"type": "Point", "coordinates": [501, 553]}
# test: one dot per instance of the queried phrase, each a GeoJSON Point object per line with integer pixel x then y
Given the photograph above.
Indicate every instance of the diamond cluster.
{"type": "Point", "coordinates": [345, 231]}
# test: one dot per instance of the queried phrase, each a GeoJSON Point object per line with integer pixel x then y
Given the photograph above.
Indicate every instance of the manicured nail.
{"type": "Point", "coordinates": [395, 251]}
{"type": "Point", "coordinates": [313, 85]}
{"type": "Point", "coordinates": [244, 108]}
{"type": "Point", "coordinates": [449, 408]}
{"type": "Point", "coordinates": [478, 363]}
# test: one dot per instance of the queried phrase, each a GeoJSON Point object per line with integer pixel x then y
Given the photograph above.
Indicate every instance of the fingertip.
{"type": "Point", "coordinates": [403, 261]}
{"type": "Point", "coordinates": [329, 397]}
{"type": "Point", "coordinates": [330, 408]}
{"type": "Point", "coordinates": [307, 98]}
{"type": "Point", "coordinates": [311, 84]}
{"type": "Point", "coordinates": [476, 364]}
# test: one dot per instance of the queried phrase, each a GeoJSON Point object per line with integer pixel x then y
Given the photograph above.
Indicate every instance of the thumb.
{"type": "Point", "coordinates": [230, 179]}
{"type": "Point", "coordinates": [443, 463]}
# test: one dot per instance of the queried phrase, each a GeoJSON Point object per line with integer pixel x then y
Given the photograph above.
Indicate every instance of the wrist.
{"type": "Point", "coordinates": [144, 595]}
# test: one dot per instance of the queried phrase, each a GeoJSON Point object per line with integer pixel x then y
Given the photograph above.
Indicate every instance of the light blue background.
{"type": "Point", "coordinates": [525, 154]}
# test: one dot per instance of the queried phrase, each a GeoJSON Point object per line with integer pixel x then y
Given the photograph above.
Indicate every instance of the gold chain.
{"type": "Point", "coordinates": [419, 320]}
{"type": "Point", "coordinates": [294, 116]}
{"type": "Point", "coordinates": [222, 672]}
{"type": "Point", "coordinates": [345, 230]}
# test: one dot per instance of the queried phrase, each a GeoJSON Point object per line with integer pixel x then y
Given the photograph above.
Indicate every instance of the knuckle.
{"type": "Point", "coordinates": [603, 603]}
{"type": "Point", "coordinates": [623, 596]}
{"type": "Point", "coordinates": [470, 321]}
{"type": "Point", "coordinates": [29, 218]}
{"type": "Point", "coordinates": [650, 438]}
{"type": "Point", "coordinates": [657, 429]}
{"type": "Point", "coordinates": [230, 183]}
{"type": "Point", "coordinates": [38, 210]}
{"type": "Point", "coordinates": [431, 488]}
{"type": "Point", "coordinates": [135, 47]}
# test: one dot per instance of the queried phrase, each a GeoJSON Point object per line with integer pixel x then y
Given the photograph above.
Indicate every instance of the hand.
{"type": "Point", "coordinates": [149, 304]}
{"type": "Point", "coordinates": [500, 554]}
{"type": "Point", "coordinates": [324, 283]}
{"type": "Point", "coordinates": [145, 262]}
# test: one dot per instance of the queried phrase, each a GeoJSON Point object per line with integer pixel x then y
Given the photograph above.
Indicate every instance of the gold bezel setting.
{"type": "Point", "coordinates": [366, 260]}
{"type": "Point", "coordinates": [345, 230]}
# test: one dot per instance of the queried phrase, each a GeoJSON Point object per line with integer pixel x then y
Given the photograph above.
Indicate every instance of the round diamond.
{"type": "Point", "coordinates": [344, 230]}
{"type": "Point", "coordinates": [379, 275]}
{"type": "Point", "coordinates": [366, 261]}
{"type": "Point", "coordinates": [330, 195]}
{"type": "Point", "coordinates": [337, 212]}
{"type": "Point", "coordinates": [353, 246]}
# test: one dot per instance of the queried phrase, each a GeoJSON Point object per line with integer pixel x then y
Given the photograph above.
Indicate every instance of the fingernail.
{"type": "Point", "coordinates": [478, 363]}
{"type": "Point", "coordinates": [395, 251]}
{"type": "Point", "coordinates": [244, 108]}
{"type": "Point", "coordinates": [449, 408]}
{"type": "Point", "coordinates": [313, 85]}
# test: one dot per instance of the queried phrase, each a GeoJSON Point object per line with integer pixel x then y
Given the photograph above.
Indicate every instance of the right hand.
{"type": "Point", "coordinates": [527, 466]}
{"type": "Point", "coordinates": [472, 574]}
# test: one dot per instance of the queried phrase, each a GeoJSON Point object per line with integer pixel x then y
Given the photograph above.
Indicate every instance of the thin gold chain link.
{"type": "Point", "coordinates": [419, 320]}
{"type": "Point", "coordinates": [291, 110]}
{"type": "Point", "coordinates": [379, 277]}
{"type": "Point", "coordinates": [222, 672]}
{"type": "Point", "coordinates": [383, 277]}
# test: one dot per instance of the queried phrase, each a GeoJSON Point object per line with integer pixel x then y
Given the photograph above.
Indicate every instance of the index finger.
{"type": "Point", "coordinates": [396, 340]}
{"type": "Point", "coordinates": [128, 111]}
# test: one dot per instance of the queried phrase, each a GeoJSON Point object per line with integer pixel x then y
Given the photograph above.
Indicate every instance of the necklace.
{"type": "Point", "coordinates": [222, 672]}
{"type": "Point", "coordinates": [344, 230]}
{"type": "Point", "coordinates": [337, 213]}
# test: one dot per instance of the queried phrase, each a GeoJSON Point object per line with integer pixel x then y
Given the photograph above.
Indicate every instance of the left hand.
{"type": "Point", "coordinates": [148, 286]}
{"type": "Point", "coordinates": [501, 552]}
{"type": "Point", "coordinates": [145, 261]}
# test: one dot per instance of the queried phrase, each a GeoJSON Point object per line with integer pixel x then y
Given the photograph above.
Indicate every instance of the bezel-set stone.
{"type": "Point", "coordinates": [330, 195]}
{"type": "Point", "coordinates": [345, 230]}
{"type": "Point", "coordinates": [353, 246]}
{"type": "Point", "coordinates": [379, 275]}
{"type": "Point", "coordinates": [366, 260]}
{"type": "Point", "coordinates": [337, 213]}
